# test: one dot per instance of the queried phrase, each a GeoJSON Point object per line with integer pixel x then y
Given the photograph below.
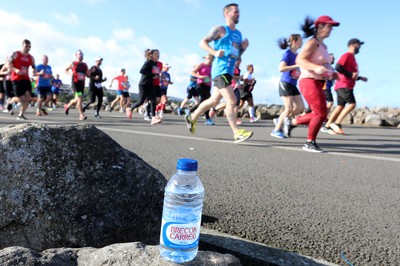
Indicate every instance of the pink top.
{"type": "Point", "coordinates": [204, 70]}
{"type": "Point", "coordinates": [320, 57]}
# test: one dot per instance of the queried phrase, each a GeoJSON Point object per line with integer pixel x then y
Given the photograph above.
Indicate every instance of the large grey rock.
{"type": "Point", "coordinates": [127, 254]}
{"type": "Point", "coordinates": [73, 186]}
{"type": "Point", "coordinates": [373, 119]}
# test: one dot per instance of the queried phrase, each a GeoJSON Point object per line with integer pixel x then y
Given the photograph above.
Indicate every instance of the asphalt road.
{"type": "Point", "coordinates": [343, 203]}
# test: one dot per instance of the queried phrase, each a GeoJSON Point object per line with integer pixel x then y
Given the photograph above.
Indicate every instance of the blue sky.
{"type": "Point", "coordinates": [120, 30]}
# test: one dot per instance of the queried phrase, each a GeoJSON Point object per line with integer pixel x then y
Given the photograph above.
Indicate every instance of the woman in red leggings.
{"type": "Point", "coordinates": [315, 67]}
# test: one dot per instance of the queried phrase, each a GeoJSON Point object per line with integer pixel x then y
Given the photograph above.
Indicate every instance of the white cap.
{"type": "Point", "coordinates": [98, 58]}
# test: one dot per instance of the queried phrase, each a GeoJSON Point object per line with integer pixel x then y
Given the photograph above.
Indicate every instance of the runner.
{"type": "Point", "coordinates": [45, 76]}
{"type": "Point", "coordinates": [165, 81]}
{"type": "Point", "coordinates": [315, 66]}
{"type": "Point", "coordinates": [95, 87]}
{"type": "Point", "coordinates": [202, 72]}
{"type": "Point", "coordinates": [228, 46]}
{"type": "Point", "coordinates": [348, 75]}
{"type": "Point", "coordinates": [191, 92]}
{"type": "Point", "coordinates": [8, 87]}
{"type": "Point", "coordinates": [246, 94]}
{"type": "Point", "coordinates": [79, 71]}
{"type": "Point", "coordinates": [19, 63]}
{"type": "Point", "coordinates": [237, 86]}
{"type": "Point", "coordinates": [2, 88]}
{"type": "Point", "coordinates": [121, 79]}
{"type": "Point", "coordinates": [287, 86]}
{"type": "Point", "coordinates": [149, 71]}
{"type": "Point", "coordinates": [55, 89]}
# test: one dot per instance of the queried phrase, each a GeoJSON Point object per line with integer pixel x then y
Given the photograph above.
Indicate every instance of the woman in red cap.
{"type": "Point", "coordinates": [315, 67]}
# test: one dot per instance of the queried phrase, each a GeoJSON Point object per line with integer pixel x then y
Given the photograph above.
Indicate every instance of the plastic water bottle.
{"type": "Point", "coordinates": [181, 217]}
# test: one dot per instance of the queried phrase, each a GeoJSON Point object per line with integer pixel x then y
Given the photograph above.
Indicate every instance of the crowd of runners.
{"type": "Point", "coordinates": [218, 77]}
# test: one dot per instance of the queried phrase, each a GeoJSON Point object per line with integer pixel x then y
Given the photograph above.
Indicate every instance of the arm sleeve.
{"type": "Point", "coordinates": [339, 68]}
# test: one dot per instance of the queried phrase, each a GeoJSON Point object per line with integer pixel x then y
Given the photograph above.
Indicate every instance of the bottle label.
{"type": "Point", "coordinates": [180, 235]}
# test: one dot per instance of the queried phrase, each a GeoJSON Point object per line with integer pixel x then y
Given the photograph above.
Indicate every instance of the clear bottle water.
{"type": "Point", "coordinates": [181, 217]}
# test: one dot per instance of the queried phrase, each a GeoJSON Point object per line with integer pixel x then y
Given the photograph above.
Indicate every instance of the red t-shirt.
{"type": "Point", "coordinates": [22, 62]}
{"type": "Point", "coordinates": [348, 61]}
{"type": "Point", "coordinates": [121, 81]}
{"type": "Point", "coordinates": [157, 70]}
{"type": "Point", "coordinates": [79, 72]}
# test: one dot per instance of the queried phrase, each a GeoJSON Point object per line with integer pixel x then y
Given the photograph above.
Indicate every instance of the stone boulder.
{"type": "Point", "coordinates": [73, 186]}
{"type": "Point", "coordinates": [127, 254]}
{"type": "Point", "coordinates": [373, 120]}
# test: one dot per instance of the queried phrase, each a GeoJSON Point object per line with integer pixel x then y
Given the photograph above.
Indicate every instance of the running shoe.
{"type": "Point", "coordinates": [328, 130]}
{"type": "Point", "coordinates": [191, 125]}
{"type": "Point", "coordinates": [111, 109]}
{"type": "Point", "coordinates": [141, 111]}
{"type": "Point", "coordinates": [38, 113]}
{"type": "Point", "coordinates": [337, 128]}
{"type": "Point", "coordinates": [312, 147]}
{"type": "Point", "coordinates": [209, 122]}
{"type": "Point", "coordinates": [21, 117]}
{"type": "Point", "coordinates": [6, 111]}
{"type": "Point", "coordinates": [147, 118]}
{"type": "Point", "coordinates": [129, 113]}
{"type": "Point", "coordinates": [179, 111]}
{"type": "Point", "coordinates": [277, 134]}
{"type": "Point", "coordinates": [242, 135]}
{"type": "Point", "coordinates": [253, 119]}
{"type": "Point", "coordinates": [155, 120]}
{"type": "Point", "coordinates": [97, 115]}
{"type": "Point", "coordinates": [66, 109]}
{"type": "Point", "coordinates": [287, 127]}
{"type": "Point", "coordinates": [238, 122]}
{"type": "Point", "coordinates": [82, 117]}
{"type": "Point", "coordinates": [44, 111]}
{"type": "Point", "coordinates": [121, 110]}
{"type": "Point", "coordinates": [160, 114]}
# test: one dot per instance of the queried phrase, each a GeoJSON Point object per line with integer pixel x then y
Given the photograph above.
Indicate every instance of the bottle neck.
{"type": "Point", "coordinates": [185, 172]}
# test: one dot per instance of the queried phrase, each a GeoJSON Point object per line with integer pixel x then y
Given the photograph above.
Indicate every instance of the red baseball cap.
{"type": "Point", "coordinates": [326, 20]}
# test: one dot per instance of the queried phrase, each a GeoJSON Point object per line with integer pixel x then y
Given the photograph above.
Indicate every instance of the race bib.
{"type": "Point", "coordinates": [234, 52]}
{"type": "Point", "coordinates": [24, 71]}
{"type": "Point", "coordinates": [81, 76]}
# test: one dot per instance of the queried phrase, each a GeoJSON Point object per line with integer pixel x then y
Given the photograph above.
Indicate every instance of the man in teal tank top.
{"type": "Point", "coordinates": [228, 47]}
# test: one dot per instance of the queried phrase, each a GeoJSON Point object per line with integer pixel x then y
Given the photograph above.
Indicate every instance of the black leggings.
{"type": "Point", "coordinates": [95, 92]}
{"type": "Point", "coordinates": [146, 92]}
{"type": "Point", "coordinates": [204, 92]}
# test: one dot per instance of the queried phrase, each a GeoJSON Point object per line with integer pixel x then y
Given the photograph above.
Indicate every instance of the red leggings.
{"type": "Point", "coordinates": [312, 92]}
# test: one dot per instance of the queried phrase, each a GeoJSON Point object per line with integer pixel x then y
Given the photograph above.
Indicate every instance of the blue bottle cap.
{"type": "Point", "coordinates": [186, 164]}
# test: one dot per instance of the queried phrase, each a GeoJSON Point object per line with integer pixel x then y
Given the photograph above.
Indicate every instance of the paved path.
{"type": "Point", "coordinates": [342, 203]}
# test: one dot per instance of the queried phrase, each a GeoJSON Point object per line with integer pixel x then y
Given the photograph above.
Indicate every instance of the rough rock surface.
{"type": "Point", "coordinates": [73, 186]}
{"type": "Point", "coordinates": [127, 254]}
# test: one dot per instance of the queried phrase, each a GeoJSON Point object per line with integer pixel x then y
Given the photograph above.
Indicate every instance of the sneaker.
{"type": "Point", "coordinates": [253, 119]}
{"type": "Point", "coordinates": [328, 130]}
{"type": "Point", "coordinates": [82, 117]}
{"type": "Point", "coordinates": [38, 114]}
{"type": "Point", "coordinates": [155, 120]}
{"type": "Point", "coordinates": [147, 118]}
{"type": "Point", "coordinates": [121, 110]}
{"type": "Point", "coordinates": [160, 114]}
{"type": "Point", "coordinates": [44, 111]}
{"type": "Point", "coordinates": [312, 147]}
{"type": "Point", "coordinates": [277, 134]}
{"type": "Point", "coordinates": [191, 125]}
{"type": "Point", "coordinates": [21, 117]}
{"type": "Point", "coordinates": [242, 135]}
{"type": "Point", "coordinates": [111, 109]}
{"type": "Point", "coordinates": [337, 128]}
{"type": "Point", "coordinates": [5, 111]}
{"type": "Point", "coordinates": [287, 127]}
{"type": "Point", "coordinates": [141, 111]}
{"type": "Point", "coordinates": [209, 122]}
{"type": "Point", "coordinates": [238, 122]}
{"type": "Point", "coordinates": [66, 109]}
{"type": "Point", "coordinates": [179, 111]}
{"type": "Point", "coordinates": [97, 115]}
{"type": "Point", "coordinates": [129, 113]}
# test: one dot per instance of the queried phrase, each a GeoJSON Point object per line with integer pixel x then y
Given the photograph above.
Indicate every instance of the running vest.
{"type": "Point", "coordinates": [204, 70]}
{"type": "Point", "coordinates": [79, 72]}
{"type": "Point", "coordinates": [231, 44]}
{"type": "Point", "coordinates": [96, 72]}
{"type": "Point", "coordinates": [22, 62]}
